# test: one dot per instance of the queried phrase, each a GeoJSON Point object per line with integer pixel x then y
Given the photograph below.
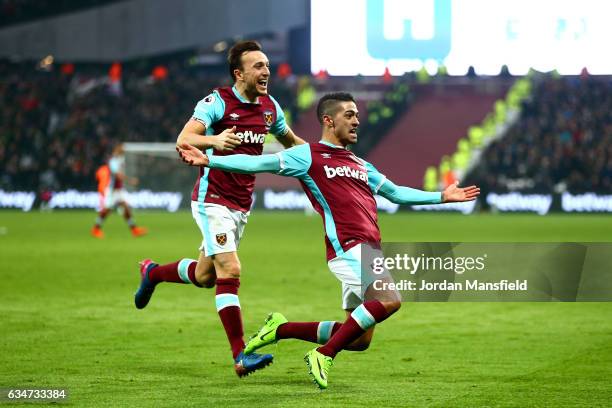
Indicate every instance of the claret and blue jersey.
{"type": "Point", "coordinates": [340, 186]}
{"type": "Point", "coordinates": [223, 109]}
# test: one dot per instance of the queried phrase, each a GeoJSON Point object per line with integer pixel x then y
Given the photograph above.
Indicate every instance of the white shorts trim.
{"type": "Point", "coordinates": [355, 279]}
{"type": "Point", "coordinates": [221, 227]}
{"type": "Point", "coordinates": [347, 268]}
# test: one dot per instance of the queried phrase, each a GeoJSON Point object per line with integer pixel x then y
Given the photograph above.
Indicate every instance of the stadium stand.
{"type": "Point", "coordinates": [561, 142]}
{"type": "Point", "coordinates": [57, 126]}
{"type": "Point", "coordinates": [58, 123]}
{"type": "Point", "coordinates": [438, 118]}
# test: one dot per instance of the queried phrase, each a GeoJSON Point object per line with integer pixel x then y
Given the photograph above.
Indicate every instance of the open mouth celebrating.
{"type": "Point", "coordinates": [262, 83]}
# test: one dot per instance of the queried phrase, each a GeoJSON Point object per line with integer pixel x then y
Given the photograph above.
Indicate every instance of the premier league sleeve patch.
{"type": "Point", "coordinates": [209, 99]}
{"type": "Point", "coordinates": [268, 118]}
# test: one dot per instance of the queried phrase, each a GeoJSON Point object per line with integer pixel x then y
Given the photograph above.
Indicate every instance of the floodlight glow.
{"type": "Point", "coordinates": [351, 37]}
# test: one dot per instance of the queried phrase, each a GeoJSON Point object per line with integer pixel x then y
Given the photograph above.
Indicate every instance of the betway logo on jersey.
{"type": "Point", "coordinates": [249, 137]}
{"type": "Point", "coordinates": [345, 171]}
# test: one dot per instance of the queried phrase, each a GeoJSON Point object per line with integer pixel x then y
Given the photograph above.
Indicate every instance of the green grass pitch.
{"type": "Point", "coordinates": [68, 320]}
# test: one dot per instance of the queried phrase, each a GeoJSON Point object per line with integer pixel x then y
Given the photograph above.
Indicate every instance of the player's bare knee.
{"type": "Point", "coordinates": [207, 280]}
{"type": "Point", "coordinates": [392, 306]}
{"type": "Point", "coordinates": [228, 269]}
{"type": "Point", "coordinates": [232, 273]}
{"type": "Point", "coordinates": [205, 273]}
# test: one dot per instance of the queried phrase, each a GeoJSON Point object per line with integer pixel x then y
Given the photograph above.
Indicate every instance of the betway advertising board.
{"type": "Point", "coordinates": [296, 200]}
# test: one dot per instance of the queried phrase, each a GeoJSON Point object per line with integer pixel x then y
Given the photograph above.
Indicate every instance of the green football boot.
{"type": "Point", "coordinates": [267, 334]}
{"type": "Point", "coordinates": [319, 366]}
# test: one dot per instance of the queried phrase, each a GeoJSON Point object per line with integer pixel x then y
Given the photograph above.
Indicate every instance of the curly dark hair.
{"type": "Point", "coordinates": [234, 55]}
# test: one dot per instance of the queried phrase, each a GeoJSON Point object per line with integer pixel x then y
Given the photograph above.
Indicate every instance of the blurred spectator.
{"type": "Point", "coordinates": [57, 127]}
{"type": "Point", "coordinates": [562, 141]}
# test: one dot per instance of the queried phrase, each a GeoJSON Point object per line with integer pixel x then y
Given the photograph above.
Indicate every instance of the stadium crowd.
{"type": "Point", "coordinates": [58, 124]}
{"type": "Point", "coordinates": [561, 142]}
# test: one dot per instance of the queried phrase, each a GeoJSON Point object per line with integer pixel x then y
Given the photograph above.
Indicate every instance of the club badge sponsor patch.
{"type": "Point", "coordinates": [221, 238]}
{"type": "Point", "coordinates": [268, 118]}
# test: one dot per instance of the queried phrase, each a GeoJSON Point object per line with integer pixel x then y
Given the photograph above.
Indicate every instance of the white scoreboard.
{"type": "Point", "coordinates": [351, 37]}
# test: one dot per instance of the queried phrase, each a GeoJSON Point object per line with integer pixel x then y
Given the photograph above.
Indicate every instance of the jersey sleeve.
{"type": "Point", "coordinates": [293, 162]}
{"type": "Point", "coordinates": [296, 161]}
{"type": "Point", "coordinates": [245, 163]}
{"type": "Point", "coordinates": [406, 195]}
{"type": "Point", "coordinates": [209, 110]}
{"type": "Point", "coordinates": [279, 128]}
{"type": "Point", "coordinates": [375, 178]}
{"type": "Point", "coordinates": [379, 184]}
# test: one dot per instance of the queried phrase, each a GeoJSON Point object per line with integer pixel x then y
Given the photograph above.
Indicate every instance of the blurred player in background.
{"type": "Point", "coordinates": [228, 121]}
{"type": "Point", "coordinates": [341, 188]}
{"type": "Point", "coordinates": [111, 178]}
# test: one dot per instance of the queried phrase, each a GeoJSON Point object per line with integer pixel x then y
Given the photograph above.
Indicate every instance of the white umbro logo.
{"type": "Point", "coordinates": [326, 155]}
{"type": "Point", "coordinates": [234, 116]}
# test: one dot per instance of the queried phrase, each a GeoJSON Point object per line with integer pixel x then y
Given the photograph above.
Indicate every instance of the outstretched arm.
{"type": "Point", "coordinates": [406, 195]}
{"type": "Point", "coordinates": [237, 163]}
{"type": "Point", "coordinates": [379, 184]}
{"type": "Point", "coordinates": [456, 194]}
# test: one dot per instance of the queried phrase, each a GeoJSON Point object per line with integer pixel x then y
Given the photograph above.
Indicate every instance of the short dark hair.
{"type": "Point", "coordinates": [234, 54]}
{"type": "Point", "coordinates": [328, 104]}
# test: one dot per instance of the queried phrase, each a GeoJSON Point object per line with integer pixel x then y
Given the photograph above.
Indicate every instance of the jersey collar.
{"type": "Point", "coordinates": [332, 145]}
{"type": "Point", "coordinates": [242, 98]}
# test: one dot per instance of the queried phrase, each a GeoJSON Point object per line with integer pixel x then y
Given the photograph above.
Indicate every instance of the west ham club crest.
{"type": "Point", "coordinates": [268, 118]}
{"type": "Point", "coordinates": [221, 239]}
